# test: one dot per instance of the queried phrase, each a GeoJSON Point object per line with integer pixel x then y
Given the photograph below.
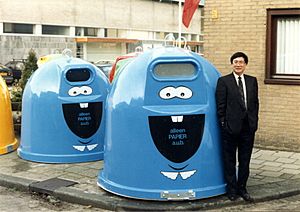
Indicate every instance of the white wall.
{"type": "Point", "coordinates": [122, 14]}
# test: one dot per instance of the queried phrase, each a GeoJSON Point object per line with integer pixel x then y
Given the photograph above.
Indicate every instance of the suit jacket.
{"type": "Point", "coordinates": [230, 107]}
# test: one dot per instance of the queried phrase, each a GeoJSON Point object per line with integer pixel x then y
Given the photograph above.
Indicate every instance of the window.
{"type": "Point", "coordinates": [90, 31]}
{"type": "Point", "coordinates": [18, 28]}
{"type": "Point", "coordinates": [111, 33]}
{"type": "Point", "coordinates": [79, 31]}
{"type": "Point", "coordinates": [283, 46]}
{"type": "Point", "coordinates": [55, 30]}
{"type": "Point", "coordinates": [86, 31]}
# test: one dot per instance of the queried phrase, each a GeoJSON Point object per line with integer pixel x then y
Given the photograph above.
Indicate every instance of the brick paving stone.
{"type": "Point", "coordinates": [296, 177]}
{"type": "Point", "coordinates": [271, 168]}
{"type": "Point", "coordinates": [95, 165]}
{"type": "Point", "coordinates": [290, 171]}
{"type": "Point", "coordinates": [283, 154]}
{"type": "Point", "coordinates": [267, 152]}
{"type": "Point", "coordinates": [270, 174]}
{"type": "Point", "coordinates": [255, 171]}
{"type": "Point", "coordinates": [267, 158]}
{"type": "Point", "coordinates": [60, 166]}
{"type": "Point", "coordinates": [5, 169]}
{"type": "Point", "coordinates": [256, 154]}
{"type": "Point", "coordinates": [92, 181]}
{"type": "Point", "coordinates": [50, 174]}
{"type": "Point", "coordinates": [287, 176]}
{"type": "Point", "coordinates": [256, 161]}
{"type": "Point", "coordinates": [6, 162]}
{"type": "Point", "coordinates": [77, 169]}
{"type": "Point", "coordinates": [286, 160]}
{"type": "Point", "coordinates": [295, 156]}
{"type": "Point", "coordinates": [91, 173]}
{"type": "Point", "coordinates": [255, 166]}
{"type": "Point", "coordinates": [259, 176]}
{"type": "Point", "coordinates": [270, 163]}
{"type": "Point", "coordinates": [297, 162]}
{"type": "Point", "coordinates": [253, 182]}
{"type": "Point", "coordinates": [291, 166]}
{"type": "Point", "coordinates": [32, 176]}
{"type": "Point", "coordinates": [271, 179]}
{"type": "Point", "coordinates": [42, 170]}
{"type": "Point", "coordinates": [74, 177]}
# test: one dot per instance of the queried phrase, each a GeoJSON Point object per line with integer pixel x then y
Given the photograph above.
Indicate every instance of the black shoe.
{"type": "Point", "coordinates": [232, 196]}
{"type": "Point", "coordinates": [246, 196]}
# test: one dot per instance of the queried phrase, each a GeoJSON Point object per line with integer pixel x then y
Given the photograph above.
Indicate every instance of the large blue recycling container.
{"type": "Point", "coordinates": [63, 117]}
{"type": "Point", "coordinates": [162, 137]}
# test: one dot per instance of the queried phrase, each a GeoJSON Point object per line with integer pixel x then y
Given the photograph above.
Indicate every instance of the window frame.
{"type": "Point", "coordinates": [271, 47]}
{"type": "Point", "coordinates": [16, 28]}
{"type": "Point", "coordinates": [55, 30]}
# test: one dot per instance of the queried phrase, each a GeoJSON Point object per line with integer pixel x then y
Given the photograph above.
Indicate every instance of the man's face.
{"type": "Point", "coordinates": [238, 65]}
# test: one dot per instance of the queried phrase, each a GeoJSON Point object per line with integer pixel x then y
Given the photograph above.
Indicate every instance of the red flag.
{"type": "Point", "coordinates": [189, 9]}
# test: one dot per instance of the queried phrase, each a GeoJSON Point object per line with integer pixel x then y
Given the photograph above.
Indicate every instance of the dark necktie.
{"type": "Point", "coordinates": [241, 90]}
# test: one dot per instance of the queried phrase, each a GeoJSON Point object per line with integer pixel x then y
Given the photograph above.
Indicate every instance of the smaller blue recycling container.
{"type": "Point", "coordinates": [162, 137]}
{"type": "Point", "coordinates": [63, 118]}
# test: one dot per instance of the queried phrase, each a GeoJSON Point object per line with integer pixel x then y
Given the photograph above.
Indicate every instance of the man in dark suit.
{"type": "Point", "coordinates": [237, 108]}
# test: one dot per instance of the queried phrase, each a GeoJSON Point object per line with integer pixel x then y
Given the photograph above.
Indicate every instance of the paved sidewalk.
{"type": "Point", "coordinates": [274, 174]}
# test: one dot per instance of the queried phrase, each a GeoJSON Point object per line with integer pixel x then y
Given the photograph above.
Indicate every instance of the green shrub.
{"type": "Point", "coordinates": [29, 68]}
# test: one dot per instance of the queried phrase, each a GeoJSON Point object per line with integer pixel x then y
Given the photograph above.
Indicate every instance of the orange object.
{"type": "Point", "coordinates": [47, 58]}
{"type": "Point", "coordinates": [8, 142]}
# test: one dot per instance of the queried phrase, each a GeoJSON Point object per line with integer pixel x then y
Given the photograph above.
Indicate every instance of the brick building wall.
{"type": "Point", "coordinates": [18, 47]}
{"type": "Point", "coordinates": [231, 26]}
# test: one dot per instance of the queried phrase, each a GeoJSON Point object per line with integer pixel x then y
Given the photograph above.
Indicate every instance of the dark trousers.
{"type": "Point", "coordinates": [243, 145]}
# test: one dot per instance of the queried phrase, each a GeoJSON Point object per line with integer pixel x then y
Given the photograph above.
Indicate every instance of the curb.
{"type": "Point", "coordinates": [260, 193]}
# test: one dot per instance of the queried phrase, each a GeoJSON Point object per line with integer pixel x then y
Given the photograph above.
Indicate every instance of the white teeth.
{"type": "Point", "coordinates": [79, 148]}
{"type": "Point", "coordinates": [174, 118]}
{"type": "Point", "coordinates": [84, 105]}
{"type": "Point", "coordinates": [180, 118]}
{"type": "Point", "coordinates": [171, 175]}
{"type": "Point", "coordinates": [82, 148]}
{"type": "Point", "coordinates": [187, 174]}
{"type": "Point", "coordinates": [91, 147]}
{"type": "Point", "coordinates": [177, 118]}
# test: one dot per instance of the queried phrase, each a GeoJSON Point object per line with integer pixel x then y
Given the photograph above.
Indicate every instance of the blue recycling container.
{"type": "Point", "coordinates": [162, 137]}
{"type": "Point", "coordinates": [63, 118]}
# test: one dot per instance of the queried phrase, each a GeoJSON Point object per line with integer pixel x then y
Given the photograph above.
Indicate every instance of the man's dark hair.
{"type": "Point", "coordinates": [239, 54]}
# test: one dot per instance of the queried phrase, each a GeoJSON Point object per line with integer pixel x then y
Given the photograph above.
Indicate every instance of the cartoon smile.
{"type": "Point", "coordinates": [83, 119]}
{"type": "Point", "coordinates": [177, 138]}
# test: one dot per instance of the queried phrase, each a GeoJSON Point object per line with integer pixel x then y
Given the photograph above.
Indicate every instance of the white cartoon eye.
{"type": "Point", "coordinates": [75, 91]}
{"type": "Point", "coordinates": [86, 90]}
{"type": "Point", "coordinates": [167, 93]}
{"type": "Point", "coordinates": [183, 92]}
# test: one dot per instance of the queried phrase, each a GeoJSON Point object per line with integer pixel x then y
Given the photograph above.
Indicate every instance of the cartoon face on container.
{"type": "Point", "coordinates": [82, 108]}
{"type": "Point", "coordinates": [178, 95]}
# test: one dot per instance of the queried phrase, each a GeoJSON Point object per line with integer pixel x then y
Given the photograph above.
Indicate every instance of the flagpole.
{"type": "Point", "coordinates": [179, 22]}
